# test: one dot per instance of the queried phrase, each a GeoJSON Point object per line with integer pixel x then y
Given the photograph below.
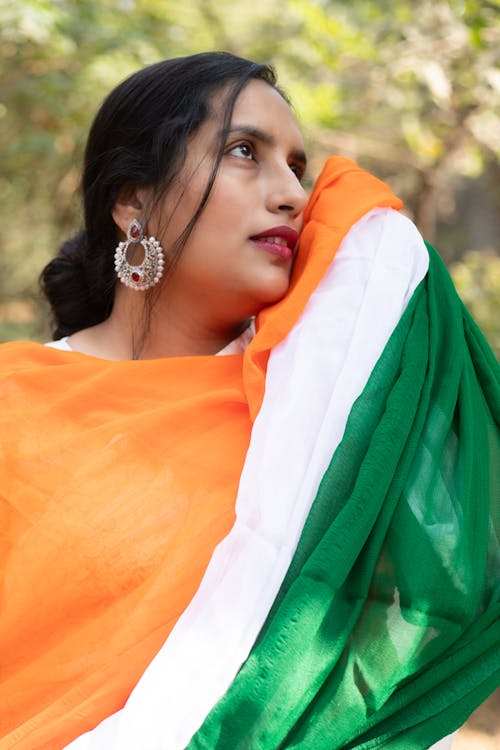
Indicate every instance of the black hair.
{"type": "Point", "coordinates": [139, 138]}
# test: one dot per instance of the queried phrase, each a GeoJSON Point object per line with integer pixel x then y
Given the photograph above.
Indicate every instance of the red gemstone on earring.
{"type": "Point", "coordinates": [135, 232]}
{"type": "Point", "coordinates": [135, 276]}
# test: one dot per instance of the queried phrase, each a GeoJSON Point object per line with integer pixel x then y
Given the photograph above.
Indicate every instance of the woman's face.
{"type": "Point", "coordinates": [239, 255]}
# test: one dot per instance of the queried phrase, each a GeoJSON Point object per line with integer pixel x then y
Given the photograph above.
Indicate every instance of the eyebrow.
{"type": "Point", "coordinates": [266, 139]}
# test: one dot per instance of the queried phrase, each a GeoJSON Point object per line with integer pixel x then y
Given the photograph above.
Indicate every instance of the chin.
{"type": "Point", "coordinates": [270, 296]}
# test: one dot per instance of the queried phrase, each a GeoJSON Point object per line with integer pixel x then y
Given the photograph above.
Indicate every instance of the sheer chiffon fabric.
{"type": "Point", "coordinates": [365, 291]}
{"type": "Point", "coordinates": [131, 492]}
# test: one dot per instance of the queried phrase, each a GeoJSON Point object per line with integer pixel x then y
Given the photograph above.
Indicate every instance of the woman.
{"type": "Point", "coordinates": [275, 547]}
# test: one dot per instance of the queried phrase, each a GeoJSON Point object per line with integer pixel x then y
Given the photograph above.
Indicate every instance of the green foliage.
{"type": "Point", "coordinates": [409, 89]}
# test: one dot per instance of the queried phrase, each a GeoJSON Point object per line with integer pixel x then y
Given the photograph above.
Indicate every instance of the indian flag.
{"type": "Point", "coordinates": [355, 602]}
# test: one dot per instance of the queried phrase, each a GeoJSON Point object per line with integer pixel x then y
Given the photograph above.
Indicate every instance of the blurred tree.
{"type": "Point", "coordinates": [411, 90]}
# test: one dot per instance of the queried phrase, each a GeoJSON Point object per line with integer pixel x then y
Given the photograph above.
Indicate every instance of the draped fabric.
{"type": "Point", "coordinates": [312, 379]}
{"type": "Point", "coordinates": [386, 630]}
{"type": "Point", "coordinates": [117, 481]}
{"type": "Point", "coordinates": [117, 494]}
{"type": "Point", "coordinates": [112, 497]}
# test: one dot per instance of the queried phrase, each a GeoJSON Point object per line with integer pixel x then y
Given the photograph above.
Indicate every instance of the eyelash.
{"type": "Point", "coordinates": [297, 169]}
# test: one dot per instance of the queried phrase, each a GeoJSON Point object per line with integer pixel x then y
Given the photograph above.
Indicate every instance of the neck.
{"type": "Point", "coordinates": [133, 331]}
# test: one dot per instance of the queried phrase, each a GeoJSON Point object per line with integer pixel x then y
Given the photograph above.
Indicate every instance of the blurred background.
{"type": "Point", "coordinates": [411, 90]}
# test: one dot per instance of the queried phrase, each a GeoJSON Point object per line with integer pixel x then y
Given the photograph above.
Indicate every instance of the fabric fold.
{"type": "Point", "coordinates": [386, 630]}
{"type": "Point", "coordinates": [313, 377]}
{"type": "Point", "coordinates": [348, 597]}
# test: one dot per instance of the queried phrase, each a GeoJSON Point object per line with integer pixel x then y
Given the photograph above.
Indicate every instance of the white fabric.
{"type": "Point", "coordinates": [444, 744]}
{"type": "Point", "coordinates": [62, 344]}
{"type": "Point", "coordinates": [313, 378]}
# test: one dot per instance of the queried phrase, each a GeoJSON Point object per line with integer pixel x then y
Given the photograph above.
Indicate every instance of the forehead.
{"type": "Point", "coordinates": [262, 107]}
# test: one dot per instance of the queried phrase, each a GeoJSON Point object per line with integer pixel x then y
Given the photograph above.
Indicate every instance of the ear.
{"type": "Point", "coordinates": [132, 203]}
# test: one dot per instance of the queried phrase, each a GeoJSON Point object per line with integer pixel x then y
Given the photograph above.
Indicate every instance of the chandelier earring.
{"type": "Point", "coordinates": [150, 270]}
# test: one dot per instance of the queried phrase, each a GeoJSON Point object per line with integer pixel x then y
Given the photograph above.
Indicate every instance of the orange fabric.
{"type": "Point", "coordinates": [117, 481]}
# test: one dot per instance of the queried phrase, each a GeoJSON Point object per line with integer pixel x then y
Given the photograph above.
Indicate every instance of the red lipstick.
{"type": "Point", "coordinates": [280, 241]}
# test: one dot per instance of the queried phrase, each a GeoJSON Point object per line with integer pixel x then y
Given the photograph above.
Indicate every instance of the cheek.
{"type": "Point", "coordinates": [178, 210]}
{"type": "Point", "coordinates": [221, 225]}
{"type": "Point", "coordinates": [218, 237]}
{"type": "Point", "coordinates": [232, 200]}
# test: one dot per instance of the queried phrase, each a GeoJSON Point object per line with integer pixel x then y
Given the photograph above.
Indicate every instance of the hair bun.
{"type": "Point", "coordinates": [65, 283]}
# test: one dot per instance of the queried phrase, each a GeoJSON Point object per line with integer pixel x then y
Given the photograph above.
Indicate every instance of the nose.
{"type": "Point", "coordinates": [286, 194]}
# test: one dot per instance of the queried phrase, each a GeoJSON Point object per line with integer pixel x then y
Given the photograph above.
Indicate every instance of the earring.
{"type": "Point", "coordinates": [149, 272]}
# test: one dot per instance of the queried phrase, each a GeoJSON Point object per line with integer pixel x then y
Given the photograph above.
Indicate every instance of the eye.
{"type": "Point", "coordinates": [298, 170]}
{"type": "Point", "coordinates": [242, 150]}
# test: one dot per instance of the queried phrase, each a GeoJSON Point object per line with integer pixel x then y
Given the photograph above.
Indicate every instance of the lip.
{"type": "Point", "coordinates": [289, 235]}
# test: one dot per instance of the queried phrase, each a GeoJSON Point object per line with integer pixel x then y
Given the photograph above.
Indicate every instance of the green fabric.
{"type": "Point", "coordinates": [386, 630]}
